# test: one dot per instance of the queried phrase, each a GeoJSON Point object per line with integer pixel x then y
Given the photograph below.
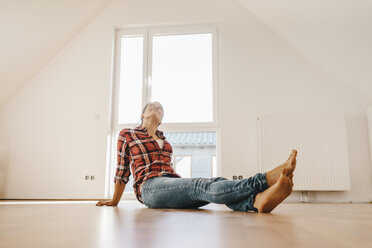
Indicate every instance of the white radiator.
{"type": "Point", "coordinates": [321, 142]}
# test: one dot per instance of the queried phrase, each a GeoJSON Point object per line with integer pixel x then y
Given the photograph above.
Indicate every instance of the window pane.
{"type": "Point", "coordinates": [131, 75]}
{"type": "Point", "coordinates": [199, 146]}
{"type": "Point", "coordinates": [183, 166]}
{"type": "Point", "coordinates": [182, 77]}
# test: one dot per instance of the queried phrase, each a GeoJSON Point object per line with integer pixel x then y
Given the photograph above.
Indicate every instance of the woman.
{"type": "Point", "coordinates": [145, 151]}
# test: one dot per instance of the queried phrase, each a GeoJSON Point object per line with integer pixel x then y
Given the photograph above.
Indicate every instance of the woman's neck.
{"type": "Point", "coordinates": [151, 129]}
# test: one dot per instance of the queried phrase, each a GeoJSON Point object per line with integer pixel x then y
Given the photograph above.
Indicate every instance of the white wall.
{"type": "Point", "coordinates": [369, 117]}
{"type": "Point", "coordinates": [50, 139]}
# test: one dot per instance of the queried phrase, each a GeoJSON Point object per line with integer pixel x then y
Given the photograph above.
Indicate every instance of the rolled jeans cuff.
{"type": "Point", "coordinates": [251, 200]}
{"type": "Point", "coordinates": [262, 182]}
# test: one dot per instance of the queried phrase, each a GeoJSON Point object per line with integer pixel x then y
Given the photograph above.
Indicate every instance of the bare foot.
{"type": "Point", "coordinates": [267, 200]}
{"type": "Point", "coordinates": [273, 175]}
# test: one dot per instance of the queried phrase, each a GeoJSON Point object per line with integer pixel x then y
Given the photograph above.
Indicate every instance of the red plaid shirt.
{"type": "Point", "coordinates": [141, 152]}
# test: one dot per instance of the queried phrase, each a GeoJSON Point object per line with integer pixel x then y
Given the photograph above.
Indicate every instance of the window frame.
{"type": "Point", "coordinates": [148, 32]}
{"type": "Point", "coordinates": [214, 173]}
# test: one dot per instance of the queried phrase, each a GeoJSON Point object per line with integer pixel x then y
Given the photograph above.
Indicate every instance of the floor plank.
{"type": "Point", "coordinates": [131, 224]}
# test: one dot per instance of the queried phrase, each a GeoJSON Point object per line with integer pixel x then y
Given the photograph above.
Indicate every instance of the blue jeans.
{"type": "Point", "coordinates": [188, 193]}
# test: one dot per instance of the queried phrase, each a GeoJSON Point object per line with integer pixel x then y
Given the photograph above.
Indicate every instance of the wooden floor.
{"type": "Point", "coordinates": [131, 224]}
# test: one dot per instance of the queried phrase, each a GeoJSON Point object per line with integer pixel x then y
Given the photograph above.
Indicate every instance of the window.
{"type": "Point", "coordinates": [131, 77]}
{"type": "Point", "coordinates": [177, 67]}
{"type": "Point", "coordinates": [183, 63]}
{"type": "Point", "coordinates": [182, 165]}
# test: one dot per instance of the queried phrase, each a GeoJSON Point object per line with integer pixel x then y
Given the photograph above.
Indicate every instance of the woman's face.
{"type": "Point", "coordinates": [154, 110]}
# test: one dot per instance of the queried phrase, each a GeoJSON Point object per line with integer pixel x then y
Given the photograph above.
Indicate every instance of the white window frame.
{"type": "Point", "coordinates": [148, 32]}
{"type": "Point", "coordinates": [212, 169]}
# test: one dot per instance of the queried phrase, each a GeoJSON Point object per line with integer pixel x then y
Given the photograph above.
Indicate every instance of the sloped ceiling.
{"type": "Point", "coordinates": [33, 31]}
{"type": "Point", "coordinates": [335, 36]}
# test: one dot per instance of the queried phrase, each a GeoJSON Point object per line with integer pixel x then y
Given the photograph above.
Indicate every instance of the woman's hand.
{"type": "Point", "coordinates": [107, 203]}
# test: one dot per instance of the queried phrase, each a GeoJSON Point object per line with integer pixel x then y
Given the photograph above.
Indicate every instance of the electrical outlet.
{"type": "Point", "coordinates": [235, 177]}
{"type": "Point", "coordinates": [86, 177]}
{"type": "Point", "coordinates": [240, 177]}
{"type": "Point", "coordinates": [92, 177]}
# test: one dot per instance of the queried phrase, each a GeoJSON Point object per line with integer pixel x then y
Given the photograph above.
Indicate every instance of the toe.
{"type": "Point", "coordinates": [294, 161]}
{"type": "Point", "coordinates": [285, 171]}
{"type": "Point", "coordinates": [295, 153]}
{"type": "Point", "coordinates": [291, 156]}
